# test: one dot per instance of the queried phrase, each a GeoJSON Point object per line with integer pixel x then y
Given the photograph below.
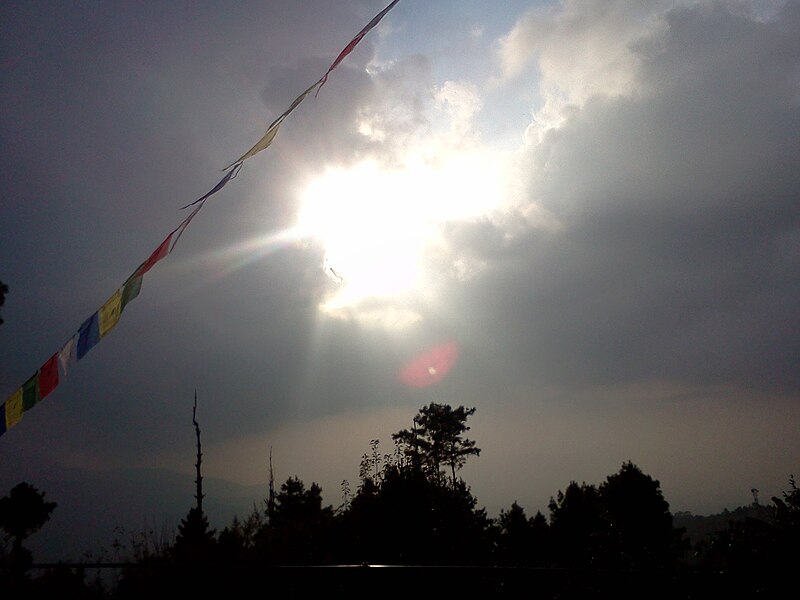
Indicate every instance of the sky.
{"type": "Point", "coordinates": [586, 209]}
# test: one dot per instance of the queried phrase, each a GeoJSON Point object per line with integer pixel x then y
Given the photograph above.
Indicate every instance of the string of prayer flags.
{"type": "Point", "coordinates": [91, 331]}
{"type": "Point", "coordinates": [354, 42]}
{"type": "Point", "coordinates": [269, 136]}
{"type": "Point", "coordinates": [100, 324]}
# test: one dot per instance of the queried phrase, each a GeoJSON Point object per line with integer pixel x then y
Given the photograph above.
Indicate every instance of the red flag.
{"type": "Point", "coordinates": [48, 376]}
{"type": "Point", "coordinates": [157, 255]}
{"type": "Point", "coordinates": [354, 42]}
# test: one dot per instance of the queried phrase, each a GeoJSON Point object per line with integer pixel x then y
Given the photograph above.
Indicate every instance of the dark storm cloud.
{"type": "Point", "coordinates": [677, 255]}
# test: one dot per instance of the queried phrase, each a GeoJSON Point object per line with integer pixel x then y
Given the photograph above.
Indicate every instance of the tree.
{"type": "Point", "coordinates": [195, 540]}
{"type": "Point", "coordinates": [406, 517]}
{"type": "Point", "coordinates": [298, 525]}
{"type": "Point", "coordinates": [787, 513]}
{"type": "Point", "coordinates": [759, 556]}
{"type": "Point", "coordinates": [436, 439]}
{"type": "Point", "coordinates": [522, 540]}
{"type": "Point", "coordinates": [638, 522]}
{"type": "Point", "coordinates": [406, 513]}
{"type": "Point", "coordinates": [576, 520]}
{"type": "Point", "coordinates": [625, 523]}
{"type": "Point", "coordinates": [237, 541]}
{"type": "Point", "coordinates": [405, 510]}
{"type": "Point", "coordinates": [22, 513]}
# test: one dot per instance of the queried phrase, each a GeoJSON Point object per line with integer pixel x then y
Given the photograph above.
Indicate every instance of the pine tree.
{"type": "Point", "coordinates": [437, 439]}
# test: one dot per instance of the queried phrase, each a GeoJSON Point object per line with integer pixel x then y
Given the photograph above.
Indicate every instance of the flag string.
{"type": "Point", "coordinates": [97, 326]}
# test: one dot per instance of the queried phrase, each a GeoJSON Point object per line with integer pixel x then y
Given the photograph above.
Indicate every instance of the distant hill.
{"type": "Point", "coordinates": [699, 528]}
{"type": "Point", "coordinates": [95, 507]}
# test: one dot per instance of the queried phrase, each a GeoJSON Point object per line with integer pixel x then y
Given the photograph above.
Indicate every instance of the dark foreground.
{"type": "Point", "coordinates": [412, 581]}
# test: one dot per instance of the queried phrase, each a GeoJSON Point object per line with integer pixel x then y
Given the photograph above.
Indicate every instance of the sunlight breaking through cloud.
{"type": "Point", "coordinates": [379, 224]}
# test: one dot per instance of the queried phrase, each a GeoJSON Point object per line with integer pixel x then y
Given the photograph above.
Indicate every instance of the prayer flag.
{"type": "Point", "coordinates": [157, 255]}
{"type": "Point", "coordinates": [354, 42]}
{"type": "Point", "coordinates": [14, 409]}
{"type": "Point", "coordinates": [109, 313]}
{"type": "Point", "coordinates": [296, 103]}
{"type": "Point", "coordinates": [261, 144]}
{"type": "Point", "coordinates": [67, 356]}
{"type": "Point", "coordinates": [228, 176]}
{"type": "Point", "coordinates": [30, 392]}
{"type": "Point", "coordinates": [185, 223]}
{"type": "Point", "coordinates": [272, 130]}
{"type": "Point", "coordinates": [89, 335]}
{"type": "Point", "coordinates": [130, 290]}
{"type": "Point", "coordinates": [48, 376]}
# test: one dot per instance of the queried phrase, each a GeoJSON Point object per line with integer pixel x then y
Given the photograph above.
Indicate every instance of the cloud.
{"type": "Point", "coordinates": [580, 49]}
{"type": "Point", "coordinates": [461, 101]}
{"type": "Point", "coordinates": [675, 254]}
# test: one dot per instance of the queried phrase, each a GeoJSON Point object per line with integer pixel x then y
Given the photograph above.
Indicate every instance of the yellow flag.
{"type": "Point", "coordinates": [109, 313]}
{"type": "Point", "coordinates": [261, 144]}
{"type": "Point", "coordinates": [272, 130]}
{"type": "Point", "coordinates": [14, 409]}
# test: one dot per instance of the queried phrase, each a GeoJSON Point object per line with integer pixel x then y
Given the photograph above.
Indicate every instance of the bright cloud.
{"type": "Point", "coordinates": [580, 49]}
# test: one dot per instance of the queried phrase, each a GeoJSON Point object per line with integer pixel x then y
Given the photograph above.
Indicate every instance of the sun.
{"type": "Point", "coordinates": [372, 233]}
{"type": "Point", "coordinates": [379, 226]}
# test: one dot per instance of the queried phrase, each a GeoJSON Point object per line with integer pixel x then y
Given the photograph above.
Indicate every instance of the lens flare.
{"type": "Point", "coordinates": [431, 366]}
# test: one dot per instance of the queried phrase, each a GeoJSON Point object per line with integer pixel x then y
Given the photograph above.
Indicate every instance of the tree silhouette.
{"type": "Point", "coordinates": [788, 509]}
{"type": "Point", "coordinates": [195, 540]}
{"type": "Point", "coordinates": [522, 540]}
{"type": "Point", "coordinates": [576, 518]}
{"type": "Point", "coordinates": [617, 537]}
{"type": "Point", "coordinates": [436, 439]}
{"type": "Point", "coordinates": [638, 522]}
{"type": "Point", "coordinates": [297, 526]}
{"type": "Point", "coordinates": [22, 513]}
{"type": "Point", "coordinates": [407, 513]}
{"type": "Point", "coordinates": [237, 542]}
{"type": "Point", "coordinates": [759, 556]}
{"type": "Point", "coordinates": [625, 523]}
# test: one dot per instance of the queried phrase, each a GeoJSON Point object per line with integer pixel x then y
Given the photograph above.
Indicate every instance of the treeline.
{"type": "Point", "coordinates": [410, 507]}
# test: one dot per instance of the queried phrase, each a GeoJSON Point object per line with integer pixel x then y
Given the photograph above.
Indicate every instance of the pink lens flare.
{"type": "Point", "coordinates": [431, 366]}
